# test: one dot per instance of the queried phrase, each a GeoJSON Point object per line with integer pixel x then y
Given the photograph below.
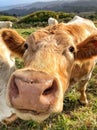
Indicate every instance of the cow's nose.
{"type": "Point", "coordinates": [31, 90]}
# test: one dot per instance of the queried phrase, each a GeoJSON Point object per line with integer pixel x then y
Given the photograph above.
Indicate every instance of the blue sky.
{"type": "Point", "coordinates": [15, 2]}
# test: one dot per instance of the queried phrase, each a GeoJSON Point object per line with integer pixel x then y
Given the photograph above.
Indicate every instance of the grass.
{"type": "Point", "coordinates": [26, 32]}
{"type": "Point", "coordinates": [73, 117]}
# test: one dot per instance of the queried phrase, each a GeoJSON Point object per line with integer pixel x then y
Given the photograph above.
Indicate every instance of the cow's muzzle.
{"type": "Point", "coordinates": [34, 91]}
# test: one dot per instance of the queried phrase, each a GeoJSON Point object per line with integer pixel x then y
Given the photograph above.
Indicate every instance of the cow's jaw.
{"type": "Point", "coordinates": [30, 116]}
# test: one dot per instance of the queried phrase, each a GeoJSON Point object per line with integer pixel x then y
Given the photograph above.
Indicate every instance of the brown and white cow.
{"type": "Point", "coordinates": [57, 57]}
{"type": "Point", "coordinates": [7, 66]}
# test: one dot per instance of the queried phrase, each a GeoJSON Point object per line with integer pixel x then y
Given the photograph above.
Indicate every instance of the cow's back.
{"type": "Point", "coordinates": [83, 29]}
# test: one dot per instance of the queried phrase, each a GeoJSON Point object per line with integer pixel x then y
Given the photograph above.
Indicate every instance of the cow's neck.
{"type": "Point", "coordinates": [81, 71]}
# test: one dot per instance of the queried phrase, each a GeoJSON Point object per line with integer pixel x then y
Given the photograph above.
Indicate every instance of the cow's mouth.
{"type": "Point", "coordinates": [34, 94]}
{"type": "Point", "coordinates": [32, 112]}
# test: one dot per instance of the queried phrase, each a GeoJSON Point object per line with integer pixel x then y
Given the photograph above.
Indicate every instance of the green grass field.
{"type": "Point", "coordinates": [26, 32]}
{"type": "Point", "coordinates": [73, 117]}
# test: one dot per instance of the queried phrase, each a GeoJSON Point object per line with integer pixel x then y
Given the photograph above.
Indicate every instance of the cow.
{"type": "Point", "coordinates": [52, 21]}
{"type": "Point", "coordinates": [6, 24]}
{"type": "Point", "coordinates": [53, 57]}
{"type": "Point", "coordinates": [7, 66]}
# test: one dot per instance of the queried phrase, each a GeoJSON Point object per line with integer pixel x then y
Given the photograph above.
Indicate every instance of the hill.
{"type": "Point", "coordinates": [40, 18]}
{"type": "Point", "coordinates": [58, 5]}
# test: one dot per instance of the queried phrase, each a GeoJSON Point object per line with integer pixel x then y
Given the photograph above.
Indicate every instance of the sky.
{"type": "Point", "coordinates": [16, 2]}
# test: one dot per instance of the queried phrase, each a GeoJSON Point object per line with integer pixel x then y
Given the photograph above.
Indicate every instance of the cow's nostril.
{"type": "Point", "coordinates": [48, 91]}
{"type": "Point", "coordinates": [31, 81]}
{"type": "Point", "coordinates": [51, 89]}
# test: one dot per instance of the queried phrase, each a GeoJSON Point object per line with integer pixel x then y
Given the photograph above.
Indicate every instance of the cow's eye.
{"type": "Point", "coordinates": [71, 49]}
{"type": "Point", "coordinates": [26, 45]}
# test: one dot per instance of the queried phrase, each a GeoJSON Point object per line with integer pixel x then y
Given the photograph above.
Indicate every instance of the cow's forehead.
{"type": "Point", "coordinates": [37, 36]}
{"type": "Point", "coordinates": [45, 32]}
{"type": "Point", "coordinates": [59, 37]}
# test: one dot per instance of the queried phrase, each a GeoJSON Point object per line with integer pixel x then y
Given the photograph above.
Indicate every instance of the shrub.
{"type": "Point", "coordinates": [40, 18]}
{"type": "Point", "coordinates": [8, 18]}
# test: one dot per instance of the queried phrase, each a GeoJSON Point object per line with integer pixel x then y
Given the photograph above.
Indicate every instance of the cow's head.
{"type": "Point", "coordinates": [37, 90]}
{"type": "Point", "coordinates": [11, 44]}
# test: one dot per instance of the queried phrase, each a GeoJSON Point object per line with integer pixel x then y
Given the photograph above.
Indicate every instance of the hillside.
{"type": "Point", "coordinates": [58, 5]}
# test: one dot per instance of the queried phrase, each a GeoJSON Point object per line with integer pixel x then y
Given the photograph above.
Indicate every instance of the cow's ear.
{"type": "Point", "coordinates": [87, 49]}
{"type": "Point", "coordinates": [13, 41]}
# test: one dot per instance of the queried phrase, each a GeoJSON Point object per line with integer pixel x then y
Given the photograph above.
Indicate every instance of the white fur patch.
{"type": "Point", "coordinates": [5, 111]}
{"type": "Point", "coordinates": [6, 53]}
{"type": "Point", "coordinates": [6, 68]}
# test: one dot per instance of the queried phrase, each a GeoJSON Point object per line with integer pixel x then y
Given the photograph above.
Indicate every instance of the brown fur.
{"type": "Point", "coordinates": [45, 54]}
{"type": "Point", "coordinates": [87, 49]}
{"type": "Point", "coordinates": [74, 30]}
{"type": "Point", "coordinates": [13, 41]}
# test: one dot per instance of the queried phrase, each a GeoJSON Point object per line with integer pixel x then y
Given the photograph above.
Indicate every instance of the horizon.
{"type": "Point", "coordinates": [4, 3]}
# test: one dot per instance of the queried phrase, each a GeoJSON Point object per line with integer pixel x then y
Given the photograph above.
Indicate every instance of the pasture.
{"type": "Point", "coordinates": [73, 117]}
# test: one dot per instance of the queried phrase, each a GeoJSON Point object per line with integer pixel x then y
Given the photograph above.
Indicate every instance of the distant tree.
{"type": "Point", "coordinates": [15, 15]}
{"type": "Point", "coordinates": [40, 18]}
